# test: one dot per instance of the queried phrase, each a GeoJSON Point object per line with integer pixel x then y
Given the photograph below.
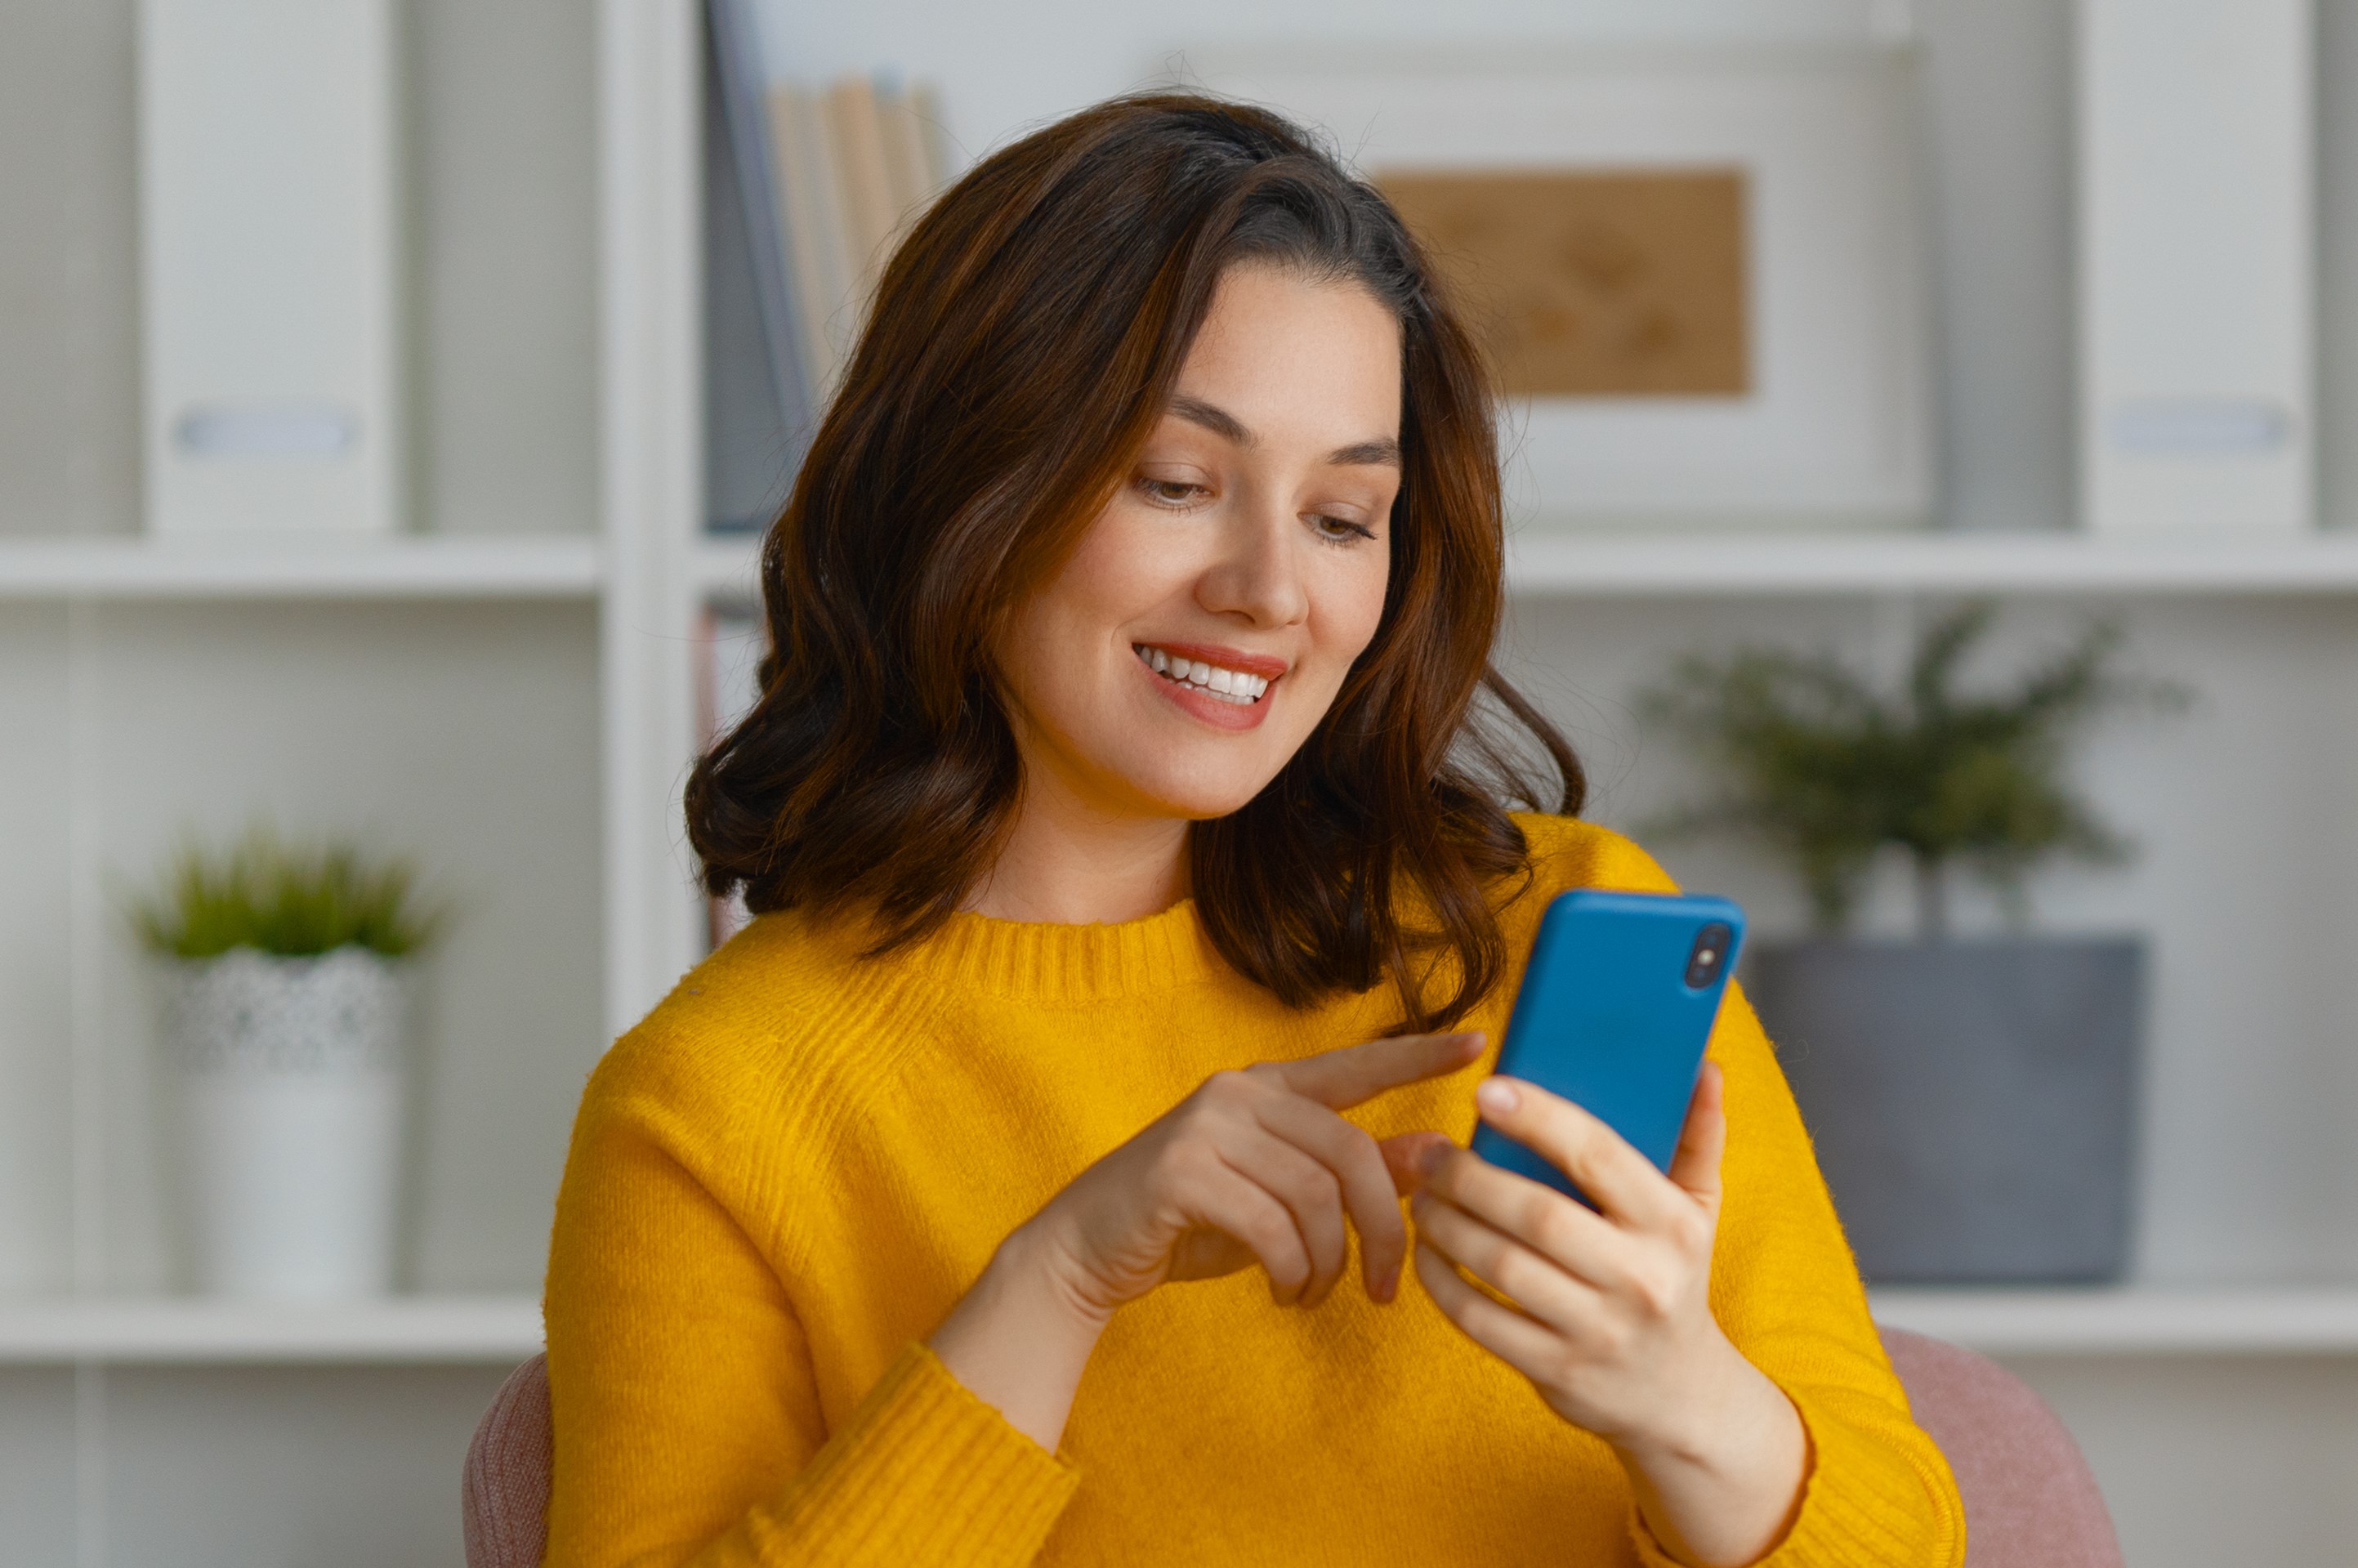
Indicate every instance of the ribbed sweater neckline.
{"type": "Point", "coordinates": [1048, 962]}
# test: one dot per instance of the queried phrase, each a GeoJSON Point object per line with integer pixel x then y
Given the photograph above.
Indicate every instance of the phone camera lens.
{"type": "Point", "coordinates": [1703, 958]}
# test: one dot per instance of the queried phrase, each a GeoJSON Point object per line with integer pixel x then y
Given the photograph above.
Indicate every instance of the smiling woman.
{"type": "Point", "coordinates": [1197, 344]}
{"type": "Point", "coordinates": [1117, 804]}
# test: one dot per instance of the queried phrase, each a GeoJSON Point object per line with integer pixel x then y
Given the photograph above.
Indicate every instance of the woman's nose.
{"type": "Point", "coordinates": [1259, 575]}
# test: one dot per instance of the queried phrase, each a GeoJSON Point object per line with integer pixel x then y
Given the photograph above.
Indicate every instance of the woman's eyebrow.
{"type": "Point", "coordinates": [1229, 428]}
{"type": "Point", "coordinates": [1385, 451]}
{"type": "Point", "coordinates": [1217, 420]}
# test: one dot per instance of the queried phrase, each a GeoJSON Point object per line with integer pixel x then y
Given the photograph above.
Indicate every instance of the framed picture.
{"type": "Point", "coordinates": [1698, 271]}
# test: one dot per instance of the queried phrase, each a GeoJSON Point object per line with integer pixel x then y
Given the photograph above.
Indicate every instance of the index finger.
{"type": "Point", "coordinates": [1342, 1079]}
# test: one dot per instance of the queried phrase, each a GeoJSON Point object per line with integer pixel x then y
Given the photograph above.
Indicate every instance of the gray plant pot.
{"type": "Point", "coordinates": [1972, 1102]}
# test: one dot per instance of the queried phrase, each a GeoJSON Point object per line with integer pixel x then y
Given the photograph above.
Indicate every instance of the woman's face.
{"type": "Point", "coordinates": [1203, 626]}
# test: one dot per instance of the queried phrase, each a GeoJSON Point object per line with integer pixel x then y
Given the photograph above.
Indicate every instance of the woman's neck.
{"type": "Point", "coordinates": [1070, 863]}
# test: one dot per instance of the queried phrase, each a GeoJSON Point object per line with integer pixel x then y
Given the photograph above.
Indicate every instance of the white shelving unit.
{"type": "Point", "coordinates": [500, 1330]}
{"type": "Point", "coordinates": [412, 567]}
{"type": "Point", "coordinates": [1546, 562]}
{"type": "Point", "coordinates": [527, 696]}
{"type": "Point", "coordinates": [504, 693]}
{"type": "Point", "coordinates": [2153, 1321]}
{"type": "Point", "coordinates": [1555, 562]}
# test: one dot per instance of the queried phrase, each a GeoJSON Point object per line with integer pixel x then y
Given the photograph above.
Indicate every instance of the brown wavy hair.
{"type": "Point", "coordinates": [1022, 343]}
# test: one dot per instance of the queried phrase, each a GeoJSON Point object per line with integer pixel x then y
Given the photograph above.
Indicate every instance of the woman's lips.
{"type": "Point", "coordinates": [1221, 712]}
{"type": "Point", "coordinates": [1268, 666]}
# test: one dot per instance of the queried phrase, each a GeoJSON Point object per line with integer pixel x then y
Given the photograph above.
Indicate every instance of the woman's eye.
{"type": "Point", "coordinates": [1171, 491]}
{"type": "Point", "coordinates": [1339, 530]}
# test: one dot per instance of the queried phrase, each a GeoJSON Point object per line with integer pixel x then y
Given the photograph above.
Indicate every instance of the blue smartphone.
{"type": "Point", "coordinates": [1615, 1008]}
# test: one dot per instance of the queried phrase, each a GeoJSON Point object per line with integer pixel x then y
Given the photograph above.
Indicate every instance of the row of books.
{"type": "Point", "coordinates": [855, 162]}
{"type": "Point", "coordinates": [807, 189]}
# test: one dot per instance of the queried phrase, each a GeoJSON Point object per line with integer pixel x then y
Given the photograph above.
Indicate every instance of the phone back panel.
{"type": "Point", "coordinates": [1606, 1020]}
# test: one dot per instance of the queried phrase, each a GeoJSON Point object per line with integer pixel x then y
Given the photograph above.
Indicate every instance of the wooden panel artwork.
{"type": "Point", "coordinates": [1593, 283]}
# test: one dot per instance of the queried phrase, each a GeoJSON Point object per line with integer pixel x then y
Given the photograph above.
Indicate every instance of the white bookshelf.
{"type": "Point", "coordinates": [1557, 562]}
{"type": "Point", "coordinates": [517, 703]}
{"type": "Point", "coordinates": [410, 566]}
{"type": "Point", "coordinates": [644, 569]}
{"type": "Point", "coordinates": [1546, 562]}
{"type": "Point", "coordinates": [2290, 1320]}
{"type": "Point", "coordinates": [451, 1329]}
{"type": "Point", "coordinates": [504, 1329]}
{"type": "Point", "coordinates": [504, 691]}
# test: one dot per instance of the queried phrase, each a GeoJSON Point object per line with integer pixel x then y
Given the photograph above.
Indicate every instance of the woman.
{"type": "Point", "coordinates": [1136, 898]}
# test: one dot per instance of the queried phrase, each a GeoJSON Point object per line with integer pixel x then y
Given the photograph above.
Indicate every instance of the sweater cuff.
{"type": "Point", "coordinates": [923, 1471]}
{"type": "Point", "coordinates": [1863, 1505]}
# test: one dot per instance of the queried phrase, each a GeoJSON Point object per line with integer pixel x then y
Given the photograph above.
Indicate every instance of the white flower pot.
{"type": "Point", "coordinates": [290, 1074]}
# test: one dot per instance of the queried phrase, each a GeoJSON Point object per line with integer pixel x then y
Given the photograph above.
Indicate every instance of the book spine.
{"type": "Point", "coordinates": [933, 139]}
{"type": "Point", "coordinates": [737, 77]}
{"type": "Point", "coordinates": [814, 230]}
{"type": "Point", "coordinates": [904, 154]}
{"type": "Point", "coordinates": [865, 173]}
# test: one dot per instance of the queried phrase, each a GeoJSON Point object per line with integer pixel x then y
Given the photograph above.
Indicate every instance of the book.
{"type": "Point", "coordinates": [864, 168]}
{"type": "Point", "coordinates": [823, 268]}
{"type": "Point", "coordinates": [856, 161]}
{"type": "Point", "coordinates": [759, 400]}
{"type": "Point", "coordinates": [907, 167]}
{"type": "Point", "coordinates": [807, 191]}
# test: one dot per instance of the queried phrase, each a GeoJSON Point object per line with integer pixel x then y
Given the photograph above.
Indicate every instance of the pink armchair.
{"type": "Point", "coordinates": [2030, 1501]}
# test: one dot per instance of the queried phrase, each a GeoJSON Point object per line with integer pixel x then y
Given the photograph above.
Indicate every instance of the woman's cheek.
{"type": "Point", "coordinates": [1362, 611]}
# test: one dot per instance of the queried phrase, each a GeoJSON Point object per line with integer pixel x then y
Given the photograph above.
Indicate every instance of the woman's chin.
{"type": "Point", "coordinates": [1190, 800]}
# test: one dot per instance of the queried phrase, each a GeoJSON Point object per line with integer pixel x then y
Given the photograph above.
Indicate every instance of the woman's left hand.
{"type": "Point", "coordinates": [1615, 1329]}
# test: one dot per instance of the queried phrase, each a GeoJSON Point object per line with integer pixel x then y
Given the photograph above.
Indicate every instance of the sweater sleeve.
{"type": "Point", "coordinates": [688, 1423]}
{"type": "Point", "coordinates": [1786, 1291]}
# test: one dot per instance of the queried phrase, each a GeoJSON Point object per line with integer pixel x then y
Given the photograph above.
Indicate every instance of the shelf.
{"type": "Point", "coordinates": [192, 1330]}
{"type": "Point", "coordinates": [2151, 1320]}
{"type": "Point", "coordinates": [187, 1330]}
{"type": "Point", "coordinates": [1546, 562]}
{"type": "Point", "coordinates": [723, 564]}
{"type": "Point", "coordinates": [415, 567]}
{"type": "Point", "coordinates": [1542, 563]}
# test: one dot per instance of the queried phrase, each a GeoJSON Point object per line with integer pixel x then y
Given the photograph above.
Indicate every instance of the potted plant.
{"type": "Point", "coordinates": [1971, 1100]}
{"type": "Point", "coordinates": [286, 992]}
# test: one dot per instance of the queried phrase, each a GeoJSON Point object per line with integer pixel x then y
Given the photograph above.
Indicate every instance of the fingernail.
{"type": "Point", "coordinates": [1387, 1286]}
{"type": "Point", "coordinates": [1428, 1157]}
{"type": "Point", "coordinates": [1496, 1095]}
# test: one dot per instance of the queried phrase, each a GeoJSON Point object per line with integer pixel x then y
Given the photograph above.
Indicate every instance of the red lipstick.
{"type": "Point", "coordinates": [1266, 665]}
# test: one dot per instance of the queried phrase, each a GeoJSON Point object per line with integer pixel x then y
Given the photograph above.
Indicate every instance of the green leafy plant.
{"type": "Point", "coordinates": [1828, 770]}
{"type": "Point", "coordinates": [262, 892]}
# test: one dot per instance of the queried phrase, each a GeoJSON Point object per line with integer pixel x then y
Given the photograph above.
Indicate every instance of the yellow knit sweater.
{"type": "Point", "coordinates": [782, 1180]}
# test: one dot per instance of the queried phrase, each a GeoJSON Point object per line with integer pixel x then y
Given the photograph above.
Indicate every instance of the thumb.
{"type": "Point", "coordinates": [1404, 1157]}
{"type": "Point", "coordinates": [1704, 1140]}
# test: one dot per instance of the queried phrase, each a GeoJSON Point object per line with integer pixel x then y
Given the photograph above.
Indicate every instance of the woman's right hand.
{"type": "Point", "coordinates": [1254, 1167]}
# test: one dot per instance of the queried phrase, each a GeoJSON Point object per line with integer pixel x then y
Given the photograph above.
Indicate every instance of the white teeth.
{"type": "Point", "coordinates": [1229, 686]}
